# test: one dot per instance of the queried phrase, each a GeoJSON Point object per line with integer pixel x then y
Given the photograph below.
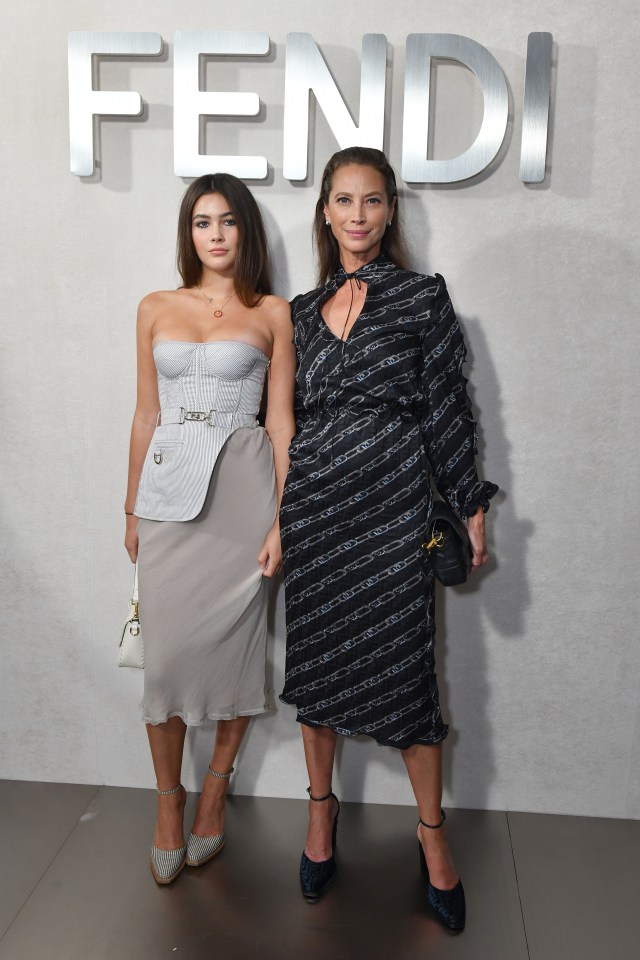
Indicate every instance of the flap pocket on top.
{"type": "Point", "coordinates": [161, 448]}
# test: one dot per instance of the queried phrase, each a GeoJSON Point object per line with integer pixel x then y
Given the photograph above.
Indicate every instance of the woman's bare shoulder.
{"type": "Point", "coordinates": [271, 302]}
{"type": "Point", "coordinates": [163, 298]}
{"type": "Point", "coordinates": [276, 308]}
{"type": "Point", "coordinates": [162, 302]}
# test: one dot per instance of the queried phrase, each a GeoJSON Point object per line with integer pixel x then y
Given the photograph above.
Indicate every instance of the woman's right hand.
{"type": "Point", "coordinates": [131, 538]}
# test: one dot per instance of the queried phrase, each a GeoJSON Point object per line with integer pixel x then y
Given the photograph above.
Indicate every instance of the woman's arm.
{"type": "Point", "coordinates": [280, 422]}
{"type": "Point", "coordinates": [144, 418]}
{"type": "Point", "coordinates": [448, 425]}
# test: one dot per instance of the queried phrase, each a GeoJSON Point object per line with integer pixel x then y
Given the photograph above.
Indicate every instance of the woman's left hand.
{"type": "Point", "coordinates": [270, 557]}
{"type": "Point", "coordinates": [475, 526]}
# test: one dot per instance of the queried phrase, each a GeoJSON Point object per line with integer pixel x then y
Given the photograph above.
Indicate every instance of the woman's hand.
{"type": "Point", "coordinates": [475, 526]}
{"type": "Point", "coordinates": [131, 538]}
{"type": "Point", "coordinates": [270, 557]}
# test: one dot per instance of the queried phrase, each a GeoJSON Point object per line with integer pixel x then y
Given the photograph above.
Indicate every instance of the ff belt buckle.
{"type": "Point", "coordinates": [196, 415]}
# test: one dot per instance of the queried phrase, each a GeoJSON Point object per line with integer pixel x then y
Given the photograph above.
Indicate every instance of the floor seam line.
{"type": "Point", "coordinates": [515, 870]}
{"type": "Point", "coordinates": [44, 872]}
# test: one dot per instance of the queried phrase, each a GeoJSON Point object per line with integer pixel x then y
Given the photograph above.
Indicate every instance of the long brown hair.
{"type": "Point", "coordinates": [252, 270]}
{"type": "Point", "coordinates": [326, 245]}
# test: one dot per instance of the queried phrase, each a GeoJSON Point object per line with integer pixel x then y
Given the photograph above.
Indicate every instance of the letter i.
{"type": "Point", "coordinates": [535, 117]}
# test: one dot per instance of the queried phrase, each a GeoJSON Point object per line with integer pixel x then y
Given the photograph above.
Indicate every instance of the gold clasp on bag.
{"type": "Point", "coordinates": [134, 622]}
{"type": "Point", "coordinates": [437, 540]}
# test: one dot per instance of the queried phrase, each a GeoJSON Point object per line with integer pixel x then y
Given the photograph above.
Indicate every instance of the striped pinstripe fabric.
{"type": "Point", "coordinates": [224, 380]}
{"type": "Point", "coordinates": [167, 864]}
{"type": "Point", "coordinates": [201, 849]}
{"type": "Point", "coordinates": [377, 415]}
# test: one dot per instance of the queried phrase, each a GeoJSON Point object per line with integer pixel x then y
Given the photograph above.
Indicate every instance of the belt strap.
{"type": "Point", "coordinates": [214, 418]}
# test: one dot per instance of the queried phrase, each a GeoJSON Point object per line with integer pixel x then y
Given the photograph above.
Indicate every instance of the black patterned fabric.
{"type": "Point", "coordinates": [377, 415]}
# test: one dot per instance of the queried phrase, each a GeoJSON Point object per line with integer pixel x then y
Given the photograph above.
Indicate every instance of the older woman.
{"type": "Point", "coordinates": [382, 408]}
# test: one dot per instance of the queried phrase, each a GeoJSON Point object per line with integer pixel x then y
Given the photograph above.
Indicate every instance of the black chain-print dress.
{"type": "Point", "coordinates": [377, 415]}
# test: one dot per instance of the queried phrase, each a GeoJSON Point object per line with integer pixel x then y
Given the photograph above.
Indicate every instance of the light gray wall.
{"type": "Point", "coordinates": [538, 660]}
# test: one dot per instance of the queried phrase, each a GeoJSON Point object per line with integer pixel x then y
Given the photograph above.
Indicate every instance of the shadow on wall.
{"type": "Point", "coordinates": [277, 251]}
{"type": "Point", "coordinates": [114, 136]}
{"type": "Point", "coordinates": [496, 597]}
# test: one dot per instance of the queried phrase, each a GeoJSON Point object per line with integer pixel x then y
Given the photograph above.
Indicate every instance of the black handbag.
{"type": "Point", "coordinates": [447, 545]}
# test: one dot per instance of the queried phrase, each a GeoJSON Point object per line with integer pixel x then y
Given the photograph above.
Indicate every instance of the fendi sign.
{"type": "Point", "coordinates": [306, 71]}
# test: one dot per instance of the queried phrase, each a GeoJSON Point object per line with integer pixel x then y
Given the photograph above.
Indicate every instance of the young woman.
{"type": "Point", "coordinates": [381, 406]}
{"type": "Point", "coordinates": [201, 508]}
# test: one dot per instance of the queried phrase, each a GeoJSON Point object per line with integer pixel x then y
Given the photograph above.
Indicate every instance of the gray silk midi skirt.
{"type": "Point", "coordinates": [203, 599]}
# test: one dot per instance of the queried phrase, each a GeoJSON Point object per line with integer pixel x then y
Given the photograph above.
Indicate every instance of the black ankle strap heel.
{"type": "Point", "coordinates": [320, 799]}
{"type": "Point", "coordinates": [448, 905]}
{"type": "Point", "coordinates": [316, 875]}
{"type": "Point", "coordinates": [434, 826]}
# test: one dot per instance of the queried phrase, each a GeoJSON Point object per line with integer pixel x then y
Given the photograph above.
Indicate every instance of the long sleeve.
{"type": "Point", "coordinates": [447, 420]}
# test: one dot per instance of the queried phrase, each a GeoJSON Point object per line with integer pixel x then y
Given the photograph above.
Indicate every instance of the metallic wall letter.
{"type": "Point", "coordinates": [85, 102]}
{"type": "Point", "coordinates": [535, 118]}
{"type": "Point", "coordinates": [421, 48]}
{"type": "Point", "coordinates": [306, 70]}
{"type": "Point", "coordinates": [190, 103]}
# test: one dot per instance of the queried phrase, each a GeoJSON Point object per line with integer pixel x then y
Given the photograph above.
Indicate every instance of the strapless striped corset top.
{"type": "Point", "coordinates": [206, 390]}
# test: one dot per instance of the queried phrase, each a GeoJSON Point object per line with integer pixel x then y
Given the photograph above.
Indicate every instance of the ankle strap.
{"type": "Point", "coordinates": [167, 793]}
{"type": "Point", "coordinates": [319, 799]}
{"type": "Point", "coordinates": [433, 826]}
{"type": "Point", "coordinates": [220, 776]}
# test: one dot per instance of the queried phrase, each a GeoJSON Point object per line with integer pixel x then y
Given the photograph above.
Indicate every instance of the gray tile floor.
{"type": "Point", "coordinates": [75, 884]}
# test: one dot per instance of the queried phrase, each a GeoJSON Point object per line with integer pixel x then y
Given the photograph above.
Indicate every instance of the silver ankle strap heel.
{"type": "Point", "coordinates": [220, 776]}
{"type": "Point", "coordinates": [167, 793]}
{"type": "Point", "coordinates": [202, 849]}
{"type": "Point", "coordinates": [166, 865]}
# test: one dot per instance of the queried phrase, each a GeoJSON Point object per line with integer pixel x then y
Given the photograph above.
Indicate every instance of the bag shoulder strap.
{"type": "Point", "coordinates": [443, 512]}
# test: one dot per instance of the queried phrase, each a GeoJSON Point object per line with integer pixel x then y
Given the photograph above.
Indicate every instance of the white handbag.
{"type": "Point", "coordinates": [131, 649]}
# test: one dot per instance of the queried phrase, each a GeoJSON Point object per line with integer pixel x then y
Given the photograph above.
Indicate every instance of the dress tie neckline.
{"type": "Point", "coordinates": [369, 272]}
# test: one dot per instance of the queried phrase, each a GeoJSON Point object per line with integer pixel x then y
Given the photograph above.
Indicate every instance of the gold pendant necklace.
{"type": "Point", "coordinates": [217, 310]}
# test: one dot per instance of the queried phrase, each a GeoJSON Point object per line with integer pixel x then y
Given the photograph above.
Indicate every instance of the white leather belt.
{"type": "Point", "coordinates": [214, 418]}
